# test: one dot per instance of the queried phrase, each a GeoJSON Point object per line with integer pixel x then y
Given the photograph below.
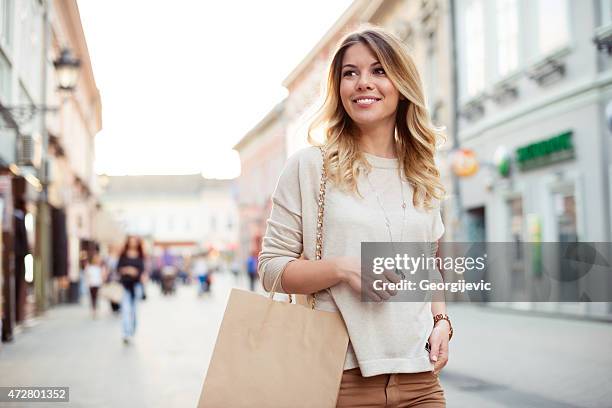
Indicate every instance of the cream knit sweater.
{"type": "Point", "coordinates": [387, 337]}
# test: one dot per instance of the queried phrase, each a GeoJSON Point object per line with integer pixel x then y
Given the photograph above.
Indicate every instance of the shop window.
{"type": "Point", "coordinates": [567, 231]}
{"type": "Point", "coordinates": [475, 223]}
{"type": "Point", "coordinates": [517, 253]}
{"type": "Point", "coordinates": [565, 215]}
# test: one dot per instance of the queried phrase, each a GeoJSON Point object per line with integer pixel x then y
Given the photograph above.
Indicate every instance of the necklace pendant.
{"type": "Point", "coordinates": [404, 205]}
{"type": "Point", "coordinates": [400, 273]}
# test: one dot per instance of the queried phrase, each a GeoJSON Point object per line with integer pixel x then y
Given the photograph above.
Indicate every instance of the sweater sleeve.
{"type": "Point", "coordinates": [282, 242]}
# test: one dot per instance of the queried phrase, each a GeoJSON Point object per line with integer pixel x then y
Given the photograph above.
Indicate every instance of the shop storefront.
{"type": "Point", "coordinates": [550, 187]}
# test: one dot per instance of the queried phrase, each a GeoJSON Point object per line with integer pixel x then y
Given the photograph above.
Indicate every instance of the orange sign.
{"type": "Point", "coordinates": [464, 162]}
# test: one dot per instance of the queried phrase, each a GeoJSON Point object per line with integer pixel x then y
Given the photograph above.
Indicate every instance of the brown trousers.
{"type": "Point", "coordinates": [421, 390]}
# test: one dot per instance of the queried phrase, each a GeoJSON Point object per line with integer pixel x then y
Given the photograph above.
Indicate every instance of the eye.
{"type": "Point", "coordinates": [379, 71]}
{"type": "Point", "coordinates": [348, 73]}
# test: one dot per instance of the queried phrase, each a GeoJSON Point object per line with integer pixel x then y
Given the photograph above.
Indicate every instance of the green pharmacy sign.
{"type": "Point", "coordinates": [544, 152]}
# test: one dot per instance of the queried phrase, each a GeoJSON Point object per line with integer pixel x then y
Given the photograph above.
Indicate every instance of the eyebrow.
{"type": "Point", "coordinates": [355, 66]}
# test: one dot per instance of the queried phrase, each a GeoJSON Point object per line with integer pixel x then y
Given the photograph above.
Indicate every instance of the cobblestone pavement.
{"type": "Point", "coordinates": [498, 359]}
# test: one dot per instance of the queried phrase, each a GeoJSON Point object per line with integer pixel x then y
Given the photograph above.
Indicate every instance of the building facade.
{"type": "Point", "coordinates": [46, 155]}
{"type": "Point", "coordinates": [534, 81]}
{"type": "Point", "coordinates": [183, 213]}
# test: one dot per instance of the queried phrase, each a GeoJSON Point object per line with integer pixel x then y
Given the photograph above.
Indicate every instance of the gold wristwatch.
{"type": "Point", "coordinates": [441, 316]}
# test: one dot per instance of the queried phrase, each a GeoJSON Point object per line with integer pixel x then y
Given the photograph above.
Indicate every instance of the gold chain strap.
{"type": "Point", "coordinates": [321, 210]}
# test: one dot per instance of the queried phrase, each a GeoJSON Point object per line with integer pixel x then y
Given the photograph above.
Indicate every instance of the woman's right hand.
{"type": "Point", "coordinates": [349, 270]}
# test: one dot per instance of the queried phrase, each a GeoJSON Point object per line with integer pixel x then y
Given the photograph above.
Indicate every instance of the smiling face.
{"type": "Point", "coordinates": [368, 95]}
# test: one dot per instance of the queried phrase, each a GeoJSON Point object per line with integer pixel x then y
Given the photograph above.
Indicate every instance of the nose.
{"type": "Point", "coordinates": [364, 83]}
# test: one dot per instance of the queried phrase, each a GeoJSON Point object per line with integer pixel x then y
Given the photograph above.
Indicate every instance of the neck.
{"type": "Point", "coordinates": [379, 141]}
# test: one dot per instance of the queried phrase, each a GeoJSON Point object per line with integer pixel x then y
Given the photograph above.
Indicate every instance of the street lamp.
{"type": "Point", "coordinates": [67, 68]}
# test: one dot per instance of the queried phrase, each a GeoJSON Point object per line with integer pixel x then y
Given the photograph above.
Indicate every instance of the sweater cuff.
{"type": "Point", "coordinates": [274, 267]}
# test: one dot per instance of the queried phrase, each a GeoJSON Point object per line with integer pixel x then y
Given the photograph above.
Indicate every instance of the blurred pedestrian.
{"type": "Point", "coordinates": [252, 270]}
{"type": "Point", "coordinates": [235, 268]}
{"type": "Point", "coordinates": [200, 270]}
{"type": "Point", "coordinates": [112, 275]}
{"type": "Point", "coordinates": [94, 277]}
{"type": "Point", "coordinates": [131, 267]}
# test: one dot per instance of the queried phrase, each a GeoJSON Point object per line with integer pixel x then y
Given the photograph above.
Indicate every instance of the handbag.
{"type": "Point", "coordinates": [272, 353]}
{"type": "Point", "coordinates": [112, 291]}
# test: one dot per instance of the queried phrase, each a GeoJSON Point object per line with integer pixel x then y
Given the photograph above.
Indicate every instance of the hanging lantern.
{"type": "Point", "coordinates": [464, 162]}
{"type": "Point", "coordinates": [67, 68]}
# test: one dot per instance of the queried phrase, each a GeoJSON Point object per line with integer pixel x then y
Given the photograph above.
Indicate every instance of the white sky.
{"type": "Point", "coordinates": [183, 81]}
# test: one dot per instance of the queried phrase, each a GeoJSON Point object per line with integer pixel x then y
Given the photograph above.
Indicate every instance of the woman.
{"type": "Point", "coordinates": [383, 185]}
{"type": "Point", "coordinates": [130, 267]}
{"type": "Point", "coordinates": [95, 276]}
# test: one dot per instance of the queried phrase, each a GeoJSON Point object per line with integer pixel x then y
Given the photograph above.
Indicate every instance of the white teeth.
{"type": "Point", "coordinates": [366, 101]}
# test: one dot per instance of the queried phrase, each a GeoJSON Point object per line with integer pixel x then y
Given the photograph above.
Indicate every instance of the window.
{"type": "Point", "coordinates": [6, 8]}
{"type": "Point", "coordinates": [553, 25]}
{"type": "Point", "coordinates": [507, 36]}
{"type": "Point", "coordinates": [565, 214]}
{"type": "Point", "coordinates": [605, 12]}
{"type": "Point", "coordinates": [567, 231]}
{"type": "Point", "coordinates": [474, 47]}
{"type": "Point", "coordinates": [5, 80]}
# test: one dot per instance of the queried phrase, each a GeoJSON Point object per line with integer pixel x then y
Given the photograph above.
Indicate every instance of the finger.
{"type": "Point", "coordinates": [373, 296]}
{"type": "Point", "coordinates": [389, 283]}
{"type": "Point", "coordinates": [383, 295]}
{"type": "Point", "coordinates": [392, 292]}
{"type": "Point", "coordinates": [435, 350]}
{"type": "Point", "coordinates": [442, 361]}
{"type": "Point", "coordinates": [392, 276]}
{"type": "Point", "coordinates": [438, 366]}
{"type": "Point", "coordinates": [444, 348]}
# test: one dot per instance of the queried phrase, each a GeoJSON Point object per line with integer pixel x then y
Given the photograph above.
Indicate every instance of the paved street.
{"type": "Point", "coordinates": [498, 359]}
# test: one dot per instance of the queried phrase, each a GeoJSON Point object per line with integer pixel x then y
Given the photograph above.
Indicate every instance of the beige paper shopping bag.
{"type": "Point", "coordinates": [275, 354]}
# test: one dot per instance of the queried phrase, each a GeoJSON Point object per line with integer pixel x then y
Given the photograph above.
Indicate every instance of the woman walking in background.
{"type": "Point", "coordinates": [95, 276]}
{"type": "Point", "coordinates": [382, 185]}
{"type": "Point", "coordinates": [131, 266]}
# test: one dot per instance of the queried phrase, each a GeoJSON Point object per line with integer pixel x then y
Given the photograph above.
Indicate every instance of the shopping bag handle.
{"type": "Point", "coordinates": [275, 285]}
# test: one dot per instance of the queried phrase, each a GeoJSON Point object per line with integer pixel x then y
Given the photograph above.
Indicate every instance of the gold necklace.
{"type": "Point", "coordinates": [388, 221]}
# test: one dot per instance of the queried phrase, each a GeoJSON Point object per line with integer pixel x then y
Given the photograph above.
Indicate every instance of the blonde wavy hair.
{"type": "Point", "coordinates": [415, 136]}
